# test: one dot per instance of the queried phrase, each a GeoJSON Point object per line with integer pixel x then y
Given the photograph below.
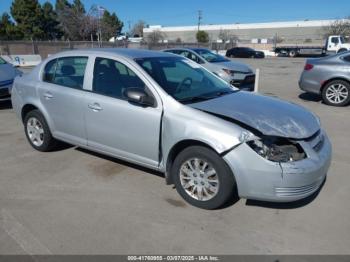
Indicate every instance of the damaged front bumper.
{"type": "Point", "coordinates": [261, 179]}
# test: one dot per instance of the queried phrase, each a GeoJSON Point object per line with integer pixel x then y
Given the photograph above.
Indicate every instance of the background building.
{"type": "Point", "coordinates": [287, 32]}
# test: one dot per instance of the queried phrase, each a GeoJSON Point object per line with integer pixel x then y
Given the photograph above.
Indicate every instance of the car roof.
{"type": "Point", "coordinates": [125, 52]}
{"type": "Point", "coordinates": [195, 49]}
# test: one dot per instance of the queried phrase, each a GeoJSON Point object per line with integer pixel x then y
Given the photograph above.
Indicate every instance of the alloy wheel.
{"type": "Point", "coordinates": [35, 131]}
{"type": "Point", "coordinates": [337, 93]}
{"type": "Point", "coordinates": [199, 179]}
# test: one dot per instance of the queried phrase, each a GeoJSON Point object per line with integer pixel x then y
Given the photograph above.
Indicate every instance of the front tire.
{"type": "Point", "coordinates": [336, 93]}
{"type": "Point", "coordinates": [38, 133]}
{"type": "Point", "coordinates": [203, 178]}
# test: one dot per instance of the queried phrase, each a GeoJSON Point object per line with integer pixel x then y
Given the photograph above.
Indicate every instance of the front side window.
{"type": "Point", "coordinates": [210, 56]}
{"type": "Point", "coordinates": [335, 40]}
{"type": "Point", "coordinates": [112, 78]}
{"type": "Point", "coordinates": [66, 71]}
{"type": "Point", "coordinates": [184, 80]}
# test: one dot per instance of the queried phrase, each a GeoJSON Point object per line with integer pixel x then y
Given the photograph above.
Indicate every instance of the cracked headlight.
{"type": "Point", "coordinates": [277, 149]}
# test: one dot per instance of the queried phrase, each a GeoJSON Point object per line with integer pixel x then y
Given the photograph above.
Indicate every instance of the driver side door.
{"type": "Point", "coordinates": [116, 126]}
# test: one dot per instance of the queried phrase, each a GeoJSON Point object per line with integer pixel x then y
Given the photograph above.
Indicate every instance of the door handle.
{"type": "Point", "coordinates": [48, 95]}
{"type": "Point", "coordinates": [95, 107]}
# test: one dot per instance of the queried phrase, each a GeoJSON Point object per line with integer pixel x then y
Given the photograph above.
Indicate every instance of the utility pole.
{"type": "Point", "coordinates": [200, 17]}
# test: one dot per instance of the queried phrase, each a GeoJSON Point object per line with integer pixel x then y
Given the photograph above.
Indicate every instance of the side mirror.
{"type": "Point", "coordinates": [138, 96]}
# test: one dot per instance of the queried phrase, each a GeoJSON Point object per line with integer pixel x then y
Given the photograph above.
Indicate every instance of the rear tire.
{"type": "Point", "coordinates": [292, 53]}
{"type": "Point", "coordinates": [336, 93]}
{"type": "Point", "coordinates": [203, 178]}
{"type": "Point", "coordinates": [38, 133]}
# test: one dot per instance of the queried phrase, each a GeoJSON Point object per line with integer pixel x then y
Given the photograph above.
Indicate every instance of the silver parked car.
{"type": "Point", "coordinates": [238, 74]}
{"type": "Point", "coordinates": [328, 77]}
{"type": "Point", "coordinates": [167, 113]}
{"type": "Point", "coordinates": [7, 74]}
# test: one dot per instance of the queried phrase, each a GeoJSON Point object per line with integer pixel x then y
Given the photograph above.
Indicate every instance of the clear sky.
{"type": "Point", "coordinates": [184, 12]}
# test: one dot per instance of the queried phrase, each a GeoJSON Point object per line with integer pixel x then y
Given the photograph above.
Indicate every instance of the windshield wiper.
{"type": "Point", "coordinates": [209, 96]}
{"type": "Point", "coordinates": [194, 99]}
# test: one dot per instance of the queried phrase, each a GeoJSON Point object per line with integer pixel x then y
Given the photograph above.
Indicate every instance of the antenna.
{"type": "Point", "coordinates": [200, 17]}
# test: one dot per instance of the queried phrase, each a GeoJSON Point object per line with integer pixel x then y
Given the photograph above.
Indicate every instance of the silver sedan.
{"type": "Point", "coordinates": [167, 113]}
{"type": "Point", "coordinates": [328, 77]}
{"type": "Point", "coordinates": [238, 74]}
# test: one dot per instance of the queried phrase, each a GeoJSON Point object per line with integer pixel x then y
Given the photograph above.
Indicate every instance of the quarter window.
{"type": "Point", "coordinates": [112, 78]}
{"type": "Point", "coordinates": [49, 72]}
{"type": "Point", "coordinates": [66, 71]}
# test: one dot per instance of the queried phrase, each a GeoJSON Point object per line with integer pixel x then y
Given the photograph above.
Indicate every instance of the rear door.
{"type": "Point", "coordinates": [113, 124]}
{"type": "Point", "coordinates": [61, 93]}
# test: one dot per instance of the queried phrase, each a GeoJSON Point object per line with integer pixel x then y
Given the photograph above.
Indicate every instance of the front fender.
{"type": "Point", "coordinates": [192, 124]}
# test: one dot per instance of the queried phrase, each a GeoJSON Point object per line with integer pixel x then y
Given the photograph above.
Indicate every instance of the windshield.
{"type": "Point", "coordinates": [210, 56]}
{"type": "Point", "coordinates": [183, 79]}
{"type": "Point", "coordinates": [2, 61]}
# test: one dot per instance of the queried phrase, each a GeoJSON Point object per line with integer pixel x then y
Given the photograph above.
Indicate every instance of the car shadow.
{"type": "Point", "coordinates": [121, 162]}
{"type": "Point", "coordinates": [310, 97]}
{"type": "Point", "coordinates": [286, 205]}
{"type": "Point", "coordinates": [5, 105]}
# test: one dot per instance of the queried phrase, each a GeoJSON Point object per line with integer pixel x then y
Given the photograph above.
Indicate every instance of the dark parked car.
{"type": "Point", "coordinates": [244, 52]}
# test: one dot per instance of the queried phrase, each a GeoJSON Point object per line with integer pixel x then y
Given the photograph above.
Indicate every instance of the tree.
{"type": "Point", "coordinates": [137, 29]}
{"type": "Point", "coordinates": [8, 30]}
{"type": "Point", "coordinates": [338, 27]}
{"type": "Point", "coordinates": [224, 35]}
{"type": "Point", "coordinates": [155, 37]}
{"type": "Point", "coordinates": [50, 22]}
{"type": "Point", "coordinates": [110, 25]}
{"type": "Point", "coordinates": [72, 19]}
{"type": "Point", "coordinates": [202, 36]}
{"type": "Point", "coordinates": [29, 17]}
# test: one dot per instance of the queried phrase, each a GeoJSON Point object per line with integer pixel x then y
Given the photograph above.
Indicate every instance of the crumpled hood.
{"type": "Point", "coordinates": [7, 72]}
{"type": "Point", "coordinates": [235, 66]}
{"type": "Point", "coordinates": [268, 115]}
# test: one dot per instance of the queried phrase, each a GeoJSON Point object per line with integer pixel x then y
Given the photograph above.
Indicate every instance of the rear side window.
{"type": "Point", "coordinates": [66, 71]}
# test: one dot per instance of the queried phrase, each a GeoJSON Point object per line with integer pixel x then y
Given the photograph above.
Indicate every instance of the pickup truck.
{"type": "Point", "coordinates": [334, 44]}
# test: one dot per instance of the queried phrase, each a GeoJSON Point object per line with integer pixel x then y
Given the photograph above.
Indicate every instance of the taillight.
{"type": "Point", "coordinates": [308, 67]}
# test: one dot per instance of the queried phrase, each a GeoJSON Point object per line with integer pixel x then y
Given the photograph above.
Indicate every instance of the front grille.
{"type": "Point", "coordinates": [4, 92]}
{"type": "Point", "coordinates": [296, 191]}
{"type": "Point", "coordinates": [6, 83]}
{"type": "Point", "coordinates": [249, 80]}
{"type": "Point", "coordinates": [316, 141]}
{"type": "Point", "coordinates": [319, 145]}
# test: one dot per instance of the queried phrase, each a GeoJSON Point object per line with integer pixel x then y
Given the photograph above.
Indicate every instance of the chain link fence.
{"type": "Point", "coordinates": [46, 48]}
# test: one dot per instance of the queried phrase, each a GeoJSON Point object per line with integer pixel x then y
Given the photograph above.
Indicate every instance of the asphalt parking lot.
{"type": "Point", "coordinates": [76, 202]}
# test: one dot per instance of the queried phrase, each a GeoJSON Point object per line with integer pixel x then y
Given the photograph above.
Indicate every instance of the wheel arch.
{"type": "Point", "coordinates": [26, 109]}
{"type": "Point", "coordinates": [341, 50]}
{"type": "Point", "coordinates": [325, 83]}
{"type": "Point", "coordinates": [176, 149]}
